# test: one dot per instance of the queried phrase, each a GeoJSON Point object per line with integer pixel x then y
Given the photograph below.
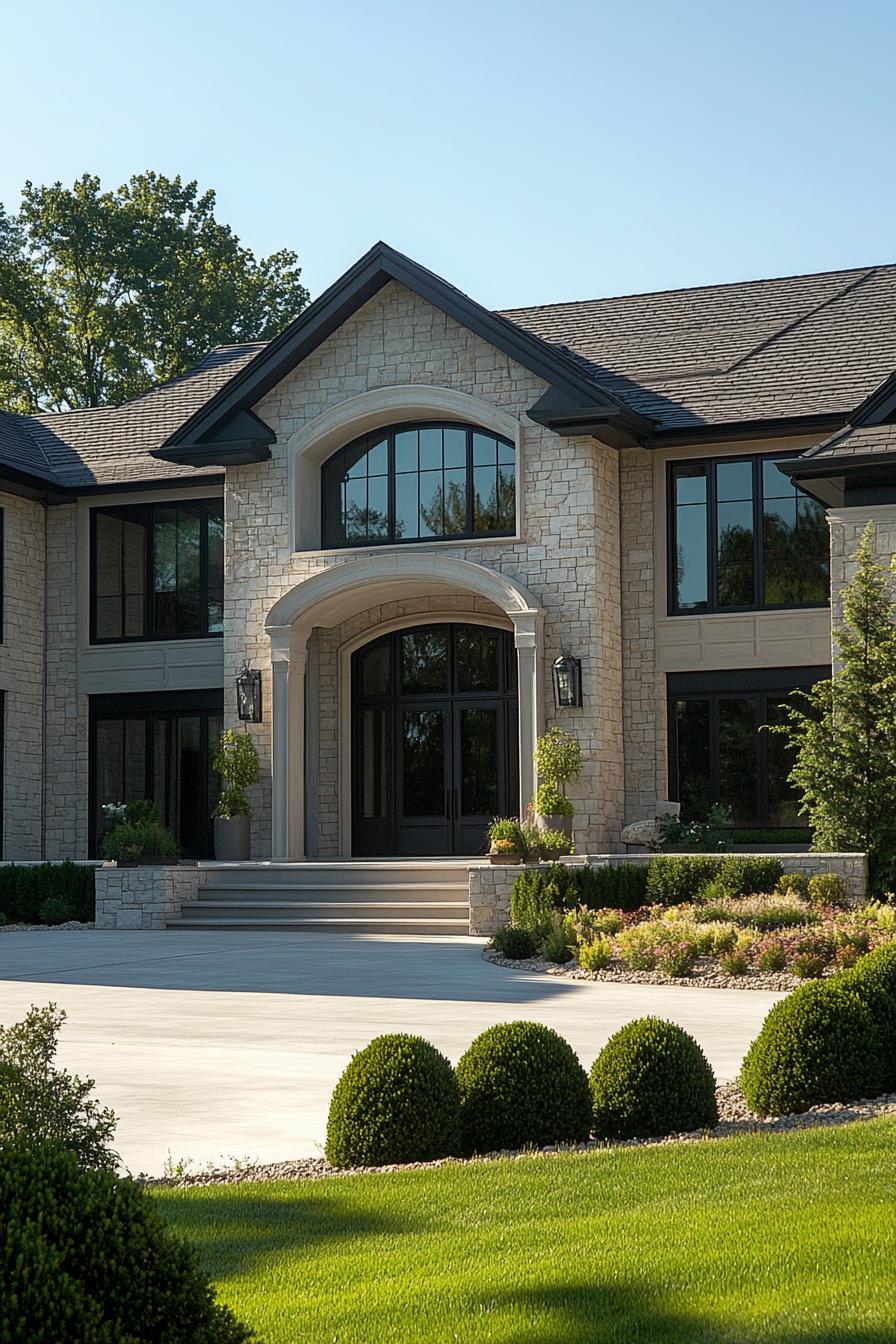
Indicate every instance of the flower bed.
{"type": "Point", "coordinates": [763, 941]}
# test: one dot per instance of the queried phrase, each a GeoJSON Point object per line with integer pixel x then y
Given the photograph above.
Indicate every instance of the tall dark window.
{"type": "Point", "coordinates": [742, 537]}
{"type": "Point", "coordinates": [157, 571]}
{"type": "Point", "coordinates": [160, 747]}
{"type": "Point", "coordinates": [419, 483]}
{"type": "Point", "coordinates": [718, 752]}
{"type": "Point", "coordinates": [2, 574]}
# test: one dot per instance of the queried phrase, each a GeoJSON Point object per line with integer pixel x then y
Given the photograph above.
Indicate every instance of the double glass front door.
{"type": "Point", "coordinates": [435, 740]}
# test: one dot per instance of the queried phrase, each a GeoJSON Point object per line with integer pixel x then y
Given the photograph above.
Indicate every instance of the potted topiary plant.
{"type": "Point", "coordinates": [236, 761]}
{"type": "Point", "coordinates": [558, 759]}
{"type": "Point", "coordinates": [505, 841]}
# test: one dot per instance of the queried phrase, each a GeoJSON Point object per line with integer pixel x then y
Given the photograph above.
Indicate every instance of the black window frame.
{"type": "Point", "coordinates": [712, 606]}
{"type": "Point", "coordinates": [2, 578]}
{"type": "Point", "coordinates": [150, 708]}
{"type": "Point", "coordinates": [389, 432]}
{"type": "Point", "coordinates": [757, 684]}
{"type": "Point", "coordinates": [148, 511]}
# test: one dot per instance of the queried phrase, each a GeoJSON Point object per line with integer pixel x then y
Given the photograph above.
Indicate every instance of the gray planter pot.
{"type": "Point", "coordinates": [563, 824]}
{"type": "Point", "coordinates": [232, 844]}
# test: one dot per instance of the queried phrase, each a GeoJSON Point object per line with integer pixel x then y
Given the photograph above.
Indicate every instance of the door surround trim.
{"type": "Point", "coordinates": [344, 693]}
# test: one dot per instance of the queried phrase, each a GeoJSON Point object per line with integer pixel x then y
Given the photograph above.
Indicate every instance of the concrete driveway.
{"type": "Point", "coordinates": [212, 1045]}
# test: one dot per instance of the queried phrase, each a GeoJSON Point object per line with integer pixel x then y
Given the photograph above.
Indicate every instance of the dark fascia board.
{"type": "Point", "coordinates": [24, 484]}
{"type": "Point", "coordinates": [684, 436]}
{"type": "Point", "coordinates": [360, 283]}
{"type": "Point", "coordinates": [618, 426]}
{"type": "Point", "coordinates": [826, 478]}
{"type": "Point", "coordinates": [242, 438]}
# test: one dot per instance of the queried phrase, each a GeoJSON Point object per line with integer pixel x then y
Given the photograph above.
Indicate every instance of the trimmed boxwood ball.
{"type": "Point", "coordinates": [820, 1044]}
{"type": "Point", "coordinates": [650, 1079]}
{"type": "Point", "coordinates": [873, 979]}
{"type": "Point", "coordinates": [85, 1256]}
{"type": "Point", "coordinates": [397, 1101]}
{"type": "Point", "coordinates": [522, 1086]}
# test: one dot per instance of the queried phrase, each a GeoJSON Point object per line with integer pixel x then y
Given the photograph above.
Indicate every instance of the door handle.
{"type": "Point", "coordinates": [448, 800]}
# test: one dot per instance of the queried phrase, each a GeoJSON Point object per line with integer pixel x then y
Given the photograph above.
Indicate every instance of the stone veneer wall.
{"type": "Point", "coordinates": [568, 555]}
{"type": "Point", "coordinates": [66, 711]}
{"type": "Point", "coordinates": [22, 676]}
{"type": "Point", "coordinates": [847, 526]}
{"type": "Point", "coordinates": [146, 897]}
{"type": "Point", "coordinates": [491, 885]}
{"type": "Point", "coordinates": [644, 700]}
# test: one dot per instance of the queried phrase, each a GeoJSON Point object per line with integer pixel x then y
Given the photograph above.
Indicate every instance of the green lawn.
{"type": "Point", "coordinates": [759, 1239]}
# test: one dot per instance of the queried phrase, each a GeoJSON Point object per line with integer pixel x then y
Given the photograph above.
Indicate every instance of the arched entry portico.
{"type": "Point", "coordinates": [346, 589]}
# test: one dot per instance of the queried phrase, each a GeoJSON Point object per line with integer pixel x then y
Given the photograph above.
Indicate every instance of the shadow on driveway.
{"type": "Point", "coordinates": [271, 963]}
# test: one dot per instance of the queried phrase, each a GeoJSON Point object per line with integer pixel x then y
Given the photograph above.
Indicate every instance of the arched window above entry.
{"type": "Point", "coordinates": [419, 482]}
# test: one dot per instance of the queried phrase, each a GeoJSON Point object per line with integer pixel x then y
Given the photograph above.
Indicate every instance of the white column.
{"type": "Point", "coordinates": [526, 631]}
{"type": "Point", "coordinates": [288, 657]}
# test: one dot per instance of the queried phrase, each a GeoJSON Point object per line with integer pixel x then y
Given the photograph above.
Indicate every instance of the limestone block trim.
{"type": "Point", "coordinates": [144, 898]}
{"type": "Point", "coordinates": [311, 445]}
{"type": "Point", "coordinates": [333, 595]}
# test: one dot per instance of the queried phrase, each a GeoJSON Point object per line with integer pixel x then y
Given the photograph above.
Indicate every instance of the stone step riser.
{"type": "Point", "coordinates": [420, 927]}
{"type": "Point", "coordinates": [296, 875]}
{"type": "Point", "coordinates": [207, 909]}
{"type": "Point", "coordinates": [336, 896]}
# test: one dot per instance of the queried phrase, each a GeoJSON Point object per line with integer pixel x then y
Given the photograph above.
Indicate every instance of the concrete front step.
{"type": "Point", "coordinates": [338, 874]}
{"type": "Point", "coordinates": [264, 909]}
{"type": "Point", "coordinates": [337, 895]}
{"type": "Point", "coordinates": [426, 927]}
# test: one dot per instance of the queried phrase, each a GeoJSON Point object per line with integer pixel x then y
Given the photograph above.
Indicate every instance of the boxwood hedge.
{"type": "Point", "coordinates": [652, 1078]}
{"type": "Point", "coordinates": [522, 1086]}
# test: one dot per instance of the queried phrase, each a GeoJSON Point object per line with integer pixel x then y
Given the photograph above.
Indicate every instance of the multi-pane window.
{"type": "Point", "coordinates": [419, 483]}
{"type": "Point", "coordinates": [157, 571]}
{"type": "Point", "coordinates": [719, 751]}
{"type": "Point", "coordinates": [158, 747]}
{"type": "Point", "coordinates": [743, 537]}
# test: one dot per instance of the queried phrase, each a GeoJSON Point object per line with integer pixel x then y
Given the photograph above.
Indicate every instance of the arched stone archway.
{"type": "Point", "coordinates": [343, 590]}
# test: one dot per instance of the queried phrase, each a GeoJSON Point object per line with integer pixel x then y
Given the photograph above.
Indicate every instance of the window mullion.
{"type": "Point", "coordinates": [758, 539]}
{"type": "Point", "coordinates": [149, 576]}
{"type": "Point", "coordinates": [203, 569]}
{"type": "Point", "coordinates": [469, 514]}
{"type": "Point", "coordinates": [712, 535]}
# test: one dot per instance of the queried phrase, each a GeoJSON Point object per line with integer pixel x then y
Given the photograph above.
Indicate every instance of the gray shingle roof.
{"type": "Point", "coordinates": [719, 354]}
{"type": "Point", "coordinates": [716, 355]}
{"type": "Point", "coordinates": [111, 445]}
{"type": "Point", "coordinates": [853, 442]}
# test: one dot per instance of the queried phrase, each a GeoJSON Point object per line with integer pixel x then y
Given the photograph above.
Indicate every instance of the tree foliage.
{"type": "Point", "coordinates": [843, 731]}
{"type": "Point", "coordinates": [104, 293]}
{"type": "Point", "coordinates": [43, 1104]}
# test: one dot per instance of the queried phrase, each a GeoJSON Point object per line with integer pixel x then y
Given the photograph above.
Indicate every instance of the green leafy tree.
{"type": "Point", "coordinates": [843, 731]}
{"type": "Point", "coordinates": [103, 293]}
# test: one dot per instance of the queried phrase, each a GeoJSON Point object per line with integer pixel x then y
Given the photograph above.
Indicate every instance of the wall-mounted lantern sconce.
{"type": "Point", "coordinates": [567, 682]}
{"type": "Point", "coordinates": [248, 695]}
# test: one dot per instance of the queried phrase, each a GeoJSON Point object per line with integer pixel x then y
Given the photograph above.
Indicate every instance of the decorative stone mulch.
{"type": "Point", "coordinates": [735, 1117]}
{"type": "Point", "coordinates": [70, 925]}
{"type": "Point", "coordinates": [706, 975]}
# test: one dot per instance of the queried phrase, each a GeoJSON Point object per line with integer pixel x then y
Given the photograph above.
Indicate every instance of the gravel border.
{"type": "Point", "coordinates": [735, 1117]}
{"type": "Point", "coordinates": [706, 974]}
{"type": "Point", "coordinates": [70, 926]}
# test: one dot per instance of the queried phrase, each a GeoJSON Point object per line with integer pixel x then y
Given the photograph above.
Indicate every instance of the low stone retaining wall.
{"type": "Point", "coordinates": [491, 884]}
{"type": "Point", "coordinates": [145, 897]}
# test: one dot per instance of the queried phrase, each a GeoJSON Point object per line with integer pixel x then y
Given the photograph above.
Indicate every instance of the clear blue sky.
{"type": "Point", "coordinates": [529, 151]}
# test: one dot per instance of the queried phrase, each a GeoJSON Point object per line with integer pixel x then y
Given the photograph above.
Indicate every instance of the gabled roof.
{"type": "Point", "coordinates": [760, 357]}
{"type": "Point", "coordinates": [574, 391]}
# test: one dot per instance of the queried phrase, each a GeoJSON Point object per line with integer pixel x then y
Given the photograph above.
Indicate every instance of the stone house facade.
{"type": "Point", "coordinates": [657, 487]}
